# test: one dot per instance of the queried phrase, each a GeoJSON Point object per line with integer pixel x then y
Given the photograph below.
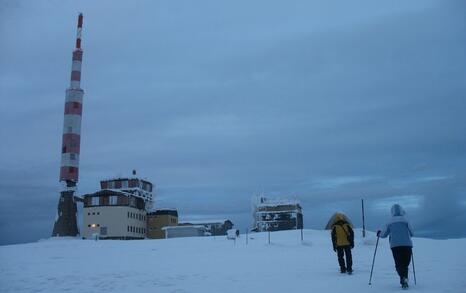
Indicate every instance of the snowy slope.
{"type": "Point", "coordinates": [214, 264]}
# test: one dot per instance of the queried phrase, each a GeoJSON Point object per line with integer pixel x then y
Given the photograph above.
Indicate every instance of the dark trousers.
{"type": "Point", "coordinates": [402, 257]}
{"type": "Point", "coordinates": [341, 251]}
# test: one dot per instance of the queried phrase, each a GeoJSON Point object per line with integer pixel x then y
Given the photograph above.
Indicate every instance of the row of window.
{"type": "Point", "coordinates": [139, 217]}
{"type": "Point", "coordinates": [94, 213]}
{"type": "Point", "coordinates": [124, 184]}
{"type": "Point", "coordinates": [112, 200]}
{"type": "Point", "coordinates": [139, 230]}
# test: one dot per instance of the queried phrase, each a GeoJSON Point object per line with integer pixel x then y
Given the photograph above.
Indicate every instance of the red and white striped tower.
{"type": "Point", "coordinates": [65, 224]}
{"type": "Point", "coordinates": [72, 123]}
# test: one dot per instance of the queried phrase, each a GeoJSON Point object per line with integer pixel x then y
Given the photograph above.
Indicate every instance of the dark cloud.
{"type": "Point", "coordinates": [217, 101]}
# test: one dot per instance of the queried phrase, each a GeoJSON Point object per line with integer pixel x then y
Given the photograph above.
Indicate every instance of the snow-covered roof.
{"type": "Point", "coordinates": [264, 201]}
{"type": "Point", "coordinates": [183, 227]}
{"type": "Point", "coordinates": [221, 221]}
{"type": "Point", "coordinates": [116, 178]}
{"type": "Point", "coordinates": [104, 192]}
{"type": "Point", "coordinates": [166, 209]}
{"type": "Point", "coordinates": [279, 202]}
{"type": "Point", "coordinates": [276, 212]}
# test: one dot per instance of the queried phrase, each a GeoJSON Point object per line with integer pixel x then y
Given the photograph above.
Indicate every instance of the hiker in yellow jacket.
{"type": "Point", "coordinates": [343, 242]}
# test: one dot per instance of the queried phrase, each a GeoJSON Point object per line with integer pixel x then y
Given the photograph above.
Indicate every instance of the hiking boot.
{"type": "Point", "coordinates": [349, 271]}
{"type": "Point", "coordinates": [404, 283]}
{"type": "Point", "coordinates": [342, 270]}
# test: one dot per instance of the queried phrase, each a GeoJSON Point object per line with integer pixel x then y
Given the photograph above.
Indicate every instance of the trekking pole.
{"type": "Point", "coordinates": [373, 260]}
{"type": "Point", "coordinates": [414, 270]}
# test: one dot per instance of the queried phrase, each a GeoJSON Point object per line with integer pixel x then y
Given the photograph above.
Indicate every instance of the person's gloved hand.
{"type": "Point", "coordinates": [352, 246]}
{"type": "Point", "coordinates": [378, 233]}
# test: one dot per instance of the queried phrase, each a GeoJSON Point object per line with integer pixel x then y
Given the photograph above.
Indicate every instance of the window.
{"type": "Point", "coordinates": [128, 215]}
{"type": "Point", "coordinates": [113, 200]}
{"type": "Point", "coordinates": [73, 156]}
{"type": "Point", "coordinates": [128, 228]}
{"type": "Point", "coordinates": [132, 201]}
{"type": "Point", "coordinates": [88, 214]}
{"type": "Point", "coordinates": [93, 213]}
{"type": "Point", "coordinates": [133, 183]}
{"type": "Point", "coordinates": [95, 201]}
{"type": "Point", "coordinates": [124, 184]}
{"type": "Point", "coordinates": [98, 213]}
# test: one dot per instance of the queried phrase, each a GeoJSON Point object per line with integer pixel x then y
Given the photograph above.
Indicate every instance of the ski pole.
{"type": "Point", "coordinates": [373, 260]}
{"type": "Point", "coordinates": [414, 270]}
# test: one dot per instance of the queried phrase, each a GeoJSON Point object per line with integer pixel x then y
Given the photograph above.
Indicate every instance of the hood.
{"type": "Point", "coordinates": [336, 218]}
{"type": "Point", "coordinates": [397, 210]}
{"type": "Point", "coordinates": [339, 217]}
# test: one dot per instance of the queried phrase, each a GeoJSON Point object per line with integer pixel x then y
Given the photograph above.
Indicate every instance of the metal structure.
{"type": "Point", "coordinates": [65, 223]}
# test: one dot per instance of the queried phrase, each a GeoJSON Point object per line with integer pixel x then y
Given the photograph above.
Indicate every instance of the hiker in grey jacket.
{"type": "Point", "coordinates": [400, 233]}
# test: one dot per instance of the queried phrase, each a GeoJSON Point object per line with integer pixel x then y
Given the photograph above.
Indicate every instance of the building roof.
{"type": "Point", "coordinates": [203, 222]}
{"type": "Point", "coordinates": [119, 178]}
{"type": "Point", "coordinates": [108, 192]}
{"type": "Point", "coordinates": [169, 212]}
{"type": "Point", "coordinates": [183, 227]}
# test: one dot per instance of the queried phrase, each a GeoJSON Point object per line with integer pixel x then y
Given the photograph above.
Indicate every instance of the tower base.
{"type": "Point", "coordinates": [66, 223]}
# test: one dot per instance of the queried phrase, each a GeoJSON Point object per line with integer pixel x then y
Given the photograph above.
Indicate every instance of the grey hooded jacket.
{"type": "Point", "coordinates": [398, 228]}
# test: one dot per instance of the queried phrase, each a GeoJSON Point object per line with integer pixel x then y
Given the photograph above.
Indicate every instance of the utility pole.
{"type": "Point", "coordinates": [363, 220]}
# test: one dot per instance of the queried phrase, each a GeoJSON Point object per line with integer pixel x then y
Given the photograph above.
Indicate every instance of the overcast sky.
{"type": "Point", "coordinates": [213, 101]}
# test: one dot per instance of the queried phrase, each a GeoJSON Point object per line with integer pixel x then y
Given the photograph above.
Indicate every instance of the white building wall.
{"type": "Point", "coordinates": [116, 221]}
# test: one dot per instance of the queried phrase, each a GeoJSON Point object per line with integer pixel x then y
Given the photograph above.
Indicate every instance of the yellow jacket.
{"type": "Point", "coordinates": [342, 234]}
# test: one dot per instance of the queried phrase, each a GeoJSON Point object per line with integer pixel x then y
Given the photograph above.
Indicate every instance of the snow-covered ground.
{"type": "Point", "coordinates": [215, 264]}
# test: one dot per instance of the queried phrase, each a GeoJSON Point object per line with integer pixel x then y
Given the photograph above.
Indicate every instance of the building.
{"type": "Point", "coordinates": [185, 231]}
{"type": "Point", "coordinates": [159, 219]}
{"type": "Point", "coordinates": [133, 185]}
{"type": "Point", "coordinates": [275, 215]}
{"type": "Point", "coordinates": [213, 227]}
{"type": "Point", "coordinates": [112, 214]}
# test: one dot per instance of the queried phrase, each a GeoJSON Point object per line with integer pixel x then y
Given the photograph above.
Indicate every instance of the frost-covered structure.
{"type": "Point", "coordinates": [276, 214]}
{"type": "Point", "coordinates": [213, 227]}
{"type": "Point", "coordinates": [134, 185]}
